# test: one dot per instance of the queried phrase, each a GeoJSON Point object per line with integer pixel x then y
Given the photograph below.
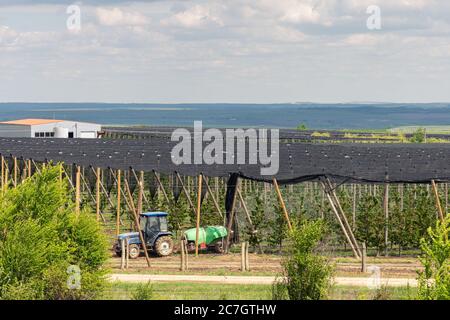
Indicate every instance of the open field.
{"type": "Point", "coordinates": [261, 265]}
{"type": "Point", "coordinates": [429, 129]}
{"type": "Point", "coordinates": [202, 291]}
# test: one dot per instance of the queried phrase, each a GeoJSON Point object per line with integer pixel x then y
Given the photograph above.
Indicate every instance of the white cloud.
{"type": "Point", "coordinates": [363, 39]}
{"type": "Point", "coordinates": [194, 17]}
{"type": "Point", "coordinates": [119, 17]}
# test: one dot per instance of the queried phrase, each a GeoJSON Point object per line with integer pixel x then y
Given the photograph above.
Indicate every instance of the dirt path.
{"type": "Point", "coordinates": [263, 265]}
{"type": "Point", "coordinates": [343, 281]}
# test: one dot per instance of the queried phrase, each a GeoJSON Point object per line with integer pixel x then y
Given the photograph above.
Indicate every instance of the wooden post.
{"type": "Point", "coordinates": [338, 206]}
{"type": "Point", "coordinates": [354, 205]}
{"type": "Point", "coordinates": [2, 160]}
{"type": "Point", "coordinates": [232, 212]}
{"type": "Point", "coordinates": [77, 190]}
{"type": "Point", "coordinates": [186, 257]}
{"type": "Point", "coordinates": [216, 204]}
{"type": "Point", "coordinates": [242, 256]}
{"type": "Point", "coordinates": [127, 255]}
{"type": "Point", "coordinates": [124, 253]}
{"type": "Point", "coordinates": [283, 206]}
{"type": "Point", "coordinates": [15, 171]}
{"type": "Point", "coordinates": [29, 168]}
{"type": "Point", "coordinates": [363, 258]}
{"type": "Point", "coordinates": [161, 187]}
{"type": "Point", "coordinates": [344, 229]}
{"type": "Point", "coordinates": [386, 219]}
{"type": "Point", "coordinates": [186, 193]}
{"type": "Point", "coordinates": [141, 178]}
{"type": "Point", "coordinates": [247, 260]}
{"type": "Point", "coordinates": [136, 222]}
{"type": "Point", "coordinates": [446, 197]}
{"type": "Point", "coordinates": [247, 213]}
{"type": "Point", "coordinates": [97, 195]}
{"type": "Point", "coordinates": [183, 255]}
{"type": "Point", "coordinates": [438, 202]}
{"type": "Point", "coordinates": [140, 192]}
{"type": "Point", "coordinates": [199, 203]}
{"type": "Point", "coordinates": [6, 183]}
{"type": "Point", "coordinates": [119, 193]}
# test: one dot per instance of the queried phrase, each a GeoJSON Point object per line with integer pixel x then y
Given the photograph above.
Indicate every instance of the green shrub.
{"type": "Point", "coordinates": [418, 136]}
{"type": "Point", "coordinates": [306, 275]}
{"type": "Point", "coordinates": [143, 292]}
{"type": "Point", "coordinates": [41, 236]}
{"type": "Point", "coordinates": [434, 280]}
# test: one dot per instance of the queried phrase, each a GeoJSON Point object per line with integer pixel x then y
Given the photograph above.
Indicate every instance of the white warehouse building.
{"type": "Point", "coordinates": [48, 128]}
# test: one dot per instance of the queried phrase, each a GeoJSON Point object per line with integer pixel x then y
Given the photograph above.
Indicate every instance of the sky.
{"type": "Point", "coordinates": [236, 51]}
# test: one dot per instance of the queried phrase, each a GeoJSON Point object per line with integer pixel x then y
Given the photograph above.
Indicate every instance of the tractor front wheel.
{"type": "Point", "coordinates": [164, 246]}
{"type": "Point", "coordinates": [134, 251]}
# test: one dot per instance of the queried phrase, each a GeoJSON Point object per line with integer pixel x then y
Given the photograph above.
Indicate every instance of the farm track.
{"type": "Point", "coordinates": [209, 264]}
{"type": "Point", "coordinates": [261, 280]}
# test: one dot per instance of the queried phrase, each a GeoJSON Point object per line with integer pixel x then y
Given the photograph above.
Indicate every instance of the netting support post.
{"type": "Point", "coordinates": [119, 195]}
{"type": "Point", "coordinates": [216, 204]}
{"type": "Point", "coordinates": [230, 221]}
{"type": "Point", "coordinates": [340, 215]}
{"type": "Point", "coordinates": [97, 194]}
{"type": "Point", "coordinates": [136, 221]}
{"type": "Point", "coordinates": [199, 203]}
{"type": "Point", "coordinates": [186, 193]}
{"type": "Point", "coordinates": [77, 190]}
{"type": "Point", "coordinates": [438, 201]}
{"type": "Point", "coordinates": [282, 204]}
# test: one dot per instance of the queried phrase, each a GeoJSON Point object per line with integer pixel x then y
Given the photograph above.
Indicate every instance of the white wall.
{"type": "Point", "coordinates": [79, 129]}
{"type": "Point", "coordinates": [14, 131]}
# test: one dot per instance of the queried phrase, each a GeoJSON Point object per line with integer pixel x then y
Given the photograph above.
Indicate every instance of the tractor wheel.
{"type": "Point", "coordinates": [164, 246]}
{"type": "Point", "coordinates": [191, 246]}
{"type": "Point", "coordinates": [134, 251]}
{"type": "Point", "coordinates": [218, 247]}
{"type": "Point", "coordinates": [117, 250]}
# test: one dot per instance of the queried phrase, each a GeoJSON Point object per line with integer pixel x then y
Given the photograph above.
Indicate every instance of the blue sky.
{"type": "Point", "coordinates": [225, 51]}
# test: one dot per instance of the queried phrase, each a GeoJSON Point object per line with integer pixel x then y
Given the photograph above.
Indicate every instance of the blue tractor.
{"type": "Point", "coordinates": [156, 235]}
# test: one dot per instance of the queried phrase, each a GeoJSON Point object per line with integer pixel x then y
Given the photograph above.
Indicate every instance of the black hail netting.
{"type": "Point", "coordinates": [403, 163]}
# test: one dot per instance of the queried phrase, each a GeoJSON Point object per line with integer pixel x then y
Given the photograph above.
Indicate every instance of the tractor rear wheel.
{"type": "Point", "coordinates": [218, 247]}
{"type": "Point", "coordinates": [134, 251]}
{"type": "Point", "coordinates": [117, 250]}
{"type": "Point", "coordinates": [164, 246]}
{"type": "Point", "coordinates": [191, 246]}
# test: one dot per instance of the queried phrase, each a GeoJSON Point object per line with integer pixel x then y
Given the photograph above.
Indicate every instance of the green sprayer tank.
{"type": "Point", "coordinates": [209, 236]}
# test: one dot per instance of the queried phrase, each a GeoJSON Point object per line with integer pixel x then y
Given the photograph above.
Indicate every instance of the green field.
{"type": "Point", "coordinates": [202, 291]}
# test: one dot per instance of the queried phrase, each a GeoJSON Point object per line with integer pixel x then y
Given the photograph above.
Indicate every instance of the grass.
{"type": "Point", "coordinates": [207, 291]}
{"type": "Point", "coordinates": [430, 129]}
{"type": "Point", "coordinates": [193, 291]}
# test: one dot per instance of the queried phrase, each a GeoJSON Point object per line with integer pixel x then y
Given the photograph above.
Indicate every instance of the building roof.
{"type": "Point", "coordinates": [31, 122]}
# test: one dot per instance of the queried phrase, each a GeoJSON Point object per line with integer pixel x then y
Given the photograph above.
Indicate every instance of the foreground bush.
{"type": "Point", "coordinates": [434, 280]}
{"type": "Point", "coordinates": [43, 243]}
{"type": "Point", "coordinates": [306, 275]}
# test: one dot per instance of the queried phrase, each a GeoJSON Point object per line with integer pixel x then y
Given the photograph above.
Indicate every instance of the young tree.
{"type": "Point", "coordinates": [434, 280]}
{"type": "Point", "coordinates": [306, 275]}
{"type": "Point", "coordinates": [47, 251]}
{"type": "Point", "coordinates": [259, 221]}
{"type": "Point", "coordinates": [370, 222]}
{"type": "Point", "coordinates": [277, 227]}
{"type": "Point", "coordinates": [418, 136]}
